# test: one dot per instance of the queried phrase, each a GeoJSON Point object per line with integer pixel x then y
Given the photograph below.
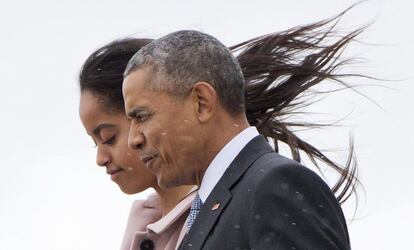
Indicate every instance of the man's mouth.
{"type": "Point", "coordinates": [147, 158]}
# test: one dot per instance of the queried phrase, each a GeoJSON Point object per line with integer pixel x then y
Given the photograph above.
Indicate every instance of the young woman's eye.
{"type": "Point", "coordinates": [110, 141]}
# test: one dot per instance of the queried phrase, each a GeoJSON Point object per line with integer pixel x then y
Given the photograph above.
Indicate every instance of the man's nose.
{"type": "Point", "coordinates": [135, 139]}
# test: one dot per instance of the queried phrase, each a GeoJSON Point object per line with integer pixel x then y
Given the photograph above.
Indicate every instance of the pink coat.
{"type": "Point", "coordinates": [145, 225]}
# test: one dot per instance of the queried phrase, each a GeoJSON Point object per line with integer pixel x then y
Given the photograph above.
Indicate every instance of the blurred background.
{"type": "Point", "coordinates": [52, 194]}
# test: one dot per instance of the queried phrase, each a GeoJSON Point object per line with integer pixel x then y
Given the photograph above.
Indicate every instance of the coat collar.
{"type": "Point", "coordinates": [221, 195]}
{"type": "Point", "coordinates": [165, 222]}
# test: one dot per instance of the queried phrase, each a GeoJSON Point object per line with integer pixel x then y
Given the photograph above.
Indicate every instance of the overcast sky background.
{"type": "Point", "coordinates": [52, 195]}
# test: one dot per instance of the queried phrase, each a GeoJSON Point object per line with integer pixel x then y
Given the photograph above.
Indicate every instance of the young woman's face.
{"type": "Point", "coordinates": [109, 130]}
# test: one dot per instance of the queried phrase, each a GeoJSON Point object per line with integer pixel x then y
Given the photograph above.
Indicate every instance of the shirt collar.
{"type": "Point", "coordinates": [223, 160]}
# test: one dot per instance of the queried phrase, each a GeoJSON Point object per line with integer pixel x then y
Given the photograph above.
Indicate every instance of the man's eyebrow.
{"type": "Point", "coordinates": [98, 129]}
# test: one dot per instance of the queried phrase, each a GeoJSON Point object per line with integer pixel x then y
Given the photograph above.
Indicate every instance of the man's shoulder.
{"type": "Point", "coordinates": [273, 162]}
{"type": "Point", "coordinates": [275, 170]}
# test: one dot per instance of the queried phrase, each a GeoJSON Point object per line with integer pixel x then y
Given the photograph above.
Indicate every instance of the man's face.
{"type": "Point", "coordinates": [164, 130]}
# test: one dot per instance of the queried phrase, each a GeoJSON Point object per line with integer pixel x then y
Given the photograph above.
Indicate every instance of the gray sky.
{"type": "Point", "coordinates": [52, 195]}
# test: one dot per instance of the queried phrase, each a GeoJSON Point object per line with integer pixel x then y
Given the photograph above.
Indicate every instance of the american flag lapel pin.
{"type": "Point", "coordinates": [215, 206]}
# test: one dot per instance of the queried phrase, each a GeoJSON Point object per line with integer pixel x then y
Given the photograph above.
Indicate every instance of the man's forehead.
{"type": "Point", "coordinates": [135, 92]}
{"type": "Point", "coordinates": [136, 79]}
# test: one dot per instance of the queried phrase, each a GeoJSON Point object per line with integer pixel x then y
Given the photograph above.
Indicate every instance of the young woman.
{"type": "Point", "coordinates": [279, 69]}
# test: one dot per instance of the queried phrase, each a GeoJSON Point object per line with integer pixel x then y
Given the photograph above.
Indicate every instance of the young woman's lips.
{"type": "Point", "coordinates": [114, 173]}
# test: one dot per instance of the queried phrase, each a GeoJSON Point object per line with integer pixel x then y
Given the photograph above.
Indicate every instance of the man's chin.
{"type": "Point", "coordinates": [165, 183]}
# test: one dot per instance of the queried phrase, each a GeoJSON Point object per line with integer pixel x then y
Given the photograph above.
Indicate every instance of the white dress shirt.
{"type": "Point", "coordinates": [223, 159]}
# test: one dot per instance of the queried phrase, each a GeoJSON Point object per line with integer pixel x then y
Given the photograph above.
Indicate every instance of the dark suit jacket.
{"type": "Point", "coordinates": [266, 201]}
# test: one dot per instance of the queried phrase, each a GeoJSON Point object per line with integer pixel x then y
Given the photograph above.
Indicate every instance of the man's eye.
{"type": "Point", "coordinates": [142, 117]}
{"type": "Point", "coordinates": [110, 141]}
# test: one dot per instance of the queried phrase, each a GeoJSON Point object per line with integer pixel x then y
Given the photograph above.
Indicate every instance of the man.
{"type": "Point", "coordinates": [185, 98]}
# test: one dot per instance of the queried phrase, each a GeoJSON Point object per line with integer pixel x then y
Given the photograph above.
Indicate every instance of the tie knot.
{"type": "Point", "coordinates": [197, 203]}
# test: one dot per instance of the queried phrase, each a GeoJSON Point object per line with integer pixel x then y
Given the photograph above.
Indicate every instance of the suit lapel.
{"type": "Point", "coordinates": [207, 218]}
{"type": "Point", "coordinates": [249, 154]}
{"type": "Point", "coordinates": [221, 195]}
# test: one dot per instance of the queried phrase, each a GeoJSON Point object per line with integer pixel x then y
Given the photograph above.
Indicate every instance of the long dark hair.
{"type": "Point", "coordinates": [279, 69]}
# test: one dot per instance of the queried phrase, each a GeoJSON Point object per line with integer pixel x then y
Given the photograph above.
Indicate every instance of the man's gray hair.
{"type": "Point", "coordinates": [179, 60]}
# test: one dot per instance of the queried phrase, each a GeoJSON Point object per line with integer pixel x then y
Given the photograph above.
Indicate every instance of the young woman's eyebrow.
{"type": "Point", "coordinates": [98, 129]}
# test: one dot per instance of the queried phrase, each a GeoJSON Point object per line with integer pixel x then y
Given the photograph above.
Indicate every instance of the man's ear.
{"type": "Point", "coordinates": [205, 97]}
